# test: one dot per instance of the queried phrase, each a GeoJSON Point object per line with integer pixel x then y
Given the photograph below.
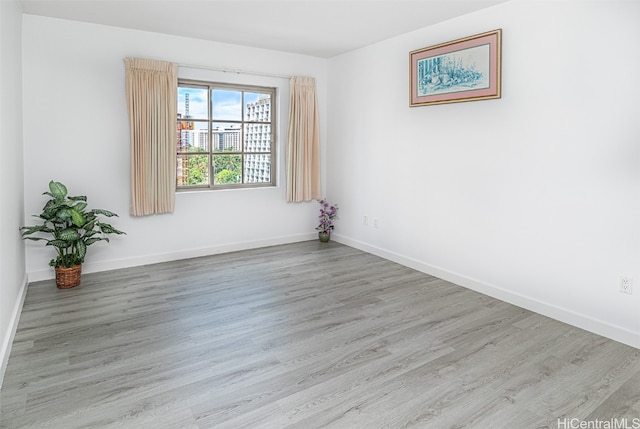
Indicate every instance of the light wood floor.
{"type": "Point", "coordinates": [305, 335]}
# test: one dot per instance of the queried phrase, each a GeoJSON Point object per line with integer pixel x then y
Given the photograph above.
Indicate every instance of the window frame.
{"type": "Point", "coordinates": [210, 121]}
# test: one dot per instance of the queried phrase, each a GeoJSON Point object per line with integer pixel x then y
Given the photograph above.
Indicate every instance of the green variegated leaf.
{"type": "Point", "coordinates": [78, 198]}
{"type": "Point", "coordinates": [81, 248]}
{"type": "Point", "coordinates": [58, 190]}
{"type": "Point", "coordinates": [50, 205]}
{"type": "Point", "coordinates": [80, 206]}
{"type": "Point", "coordinates": [28, 230]}
{"type": "Point", "coordinates": [77, 218]}
{"type": "Point", "coordinates": [108, 229]}
{"type": "Point", "coordinates": [69, 235]}
{"type": "Point", "coordinates": [106, 213]}
{"type": "Point", "coordinates": [61, 244]}
{"type": "Point", "coordinates": [64, 214]}
{"type": "Point", "coordinates": [90, 241]}
{"type": "Point", "coordinates": [47, 215]}
{"type": "Point", "coordinates": [35, 238]}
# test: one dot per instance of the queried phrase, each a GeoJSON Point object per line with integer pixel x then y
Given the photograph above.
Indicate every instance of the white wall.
{"type": "Point", "coordinates": [12, 262]}
{"type": "Point", "coordinates": [77, 132]}
{"type": "Point", "coordinates": [533, 198]}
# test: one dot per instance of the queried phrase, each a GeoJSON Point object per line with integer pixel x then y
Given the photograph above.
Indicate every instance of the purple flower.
{"type": "Point", "coordinates": [328, 213]}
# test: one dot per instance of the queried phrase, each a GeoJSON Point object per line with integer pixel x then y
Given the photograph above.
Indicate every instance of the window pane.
{"type": "Point", "coordinates": [194, 137]}
{"type": "Point", "coordinates": [257, 137]}
{"type": "Point", "coordinates": [257, 107]}
{"type": "Point", "coordinates": [225, 137]}
{"type": "Point", "coordinates": [226, 105]}
{"type": "Point", "coordinates": [193, 170]}
{"type": "Point", "coordinates": [192, 103]}
{"type": "Point", "coordinates": [224, 134]}
{"type": "Point", "coordinates": [227, 169]}
{"type": "Point", "coordinates": [257, 168]}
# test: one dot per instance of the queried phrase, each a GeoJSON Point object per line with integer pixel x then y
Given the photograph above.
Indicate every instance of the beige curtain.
{"type": "Point", "coordinates": [303, 142]}
{"type": "Point", "coordinates": [152, 88]}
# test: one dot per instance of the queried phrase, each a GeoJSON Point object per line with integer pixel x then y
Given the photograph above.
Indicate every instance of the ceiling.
{"type": "Point", "coordinates": [311, 27]}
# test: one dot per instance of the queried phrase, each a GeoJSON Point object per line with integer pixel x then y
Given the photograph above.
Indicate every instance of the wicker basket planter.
{"type": "Point", "coordinates": [66, 278]}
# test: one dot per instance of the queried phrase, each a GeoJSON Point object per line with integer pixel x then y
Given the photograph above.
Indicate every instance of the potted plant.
{"type": "Point", "coordinates": [71, 228]}
{"type": "Point", "coordinates": [328, 212]}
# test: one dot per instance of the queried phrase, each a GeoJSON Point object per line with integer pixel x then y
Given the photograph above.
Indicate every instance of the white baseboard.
{"type": "Point", "coordinates": [93, 267]}
{"type": "Point", "coordinates": [565, 315]}
{"type": "Point", "coordinates": [5, 351]}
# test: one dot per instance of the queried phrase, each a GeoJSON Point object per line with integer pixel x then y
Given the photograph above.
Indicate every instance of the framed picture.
{"type": "Point", "coordinates": [461, 70]}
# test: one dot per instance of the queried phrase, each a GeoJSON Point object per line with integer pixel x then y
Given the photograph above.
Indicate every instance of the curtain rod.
{"type": "Point", "coordinates": [236, 71]}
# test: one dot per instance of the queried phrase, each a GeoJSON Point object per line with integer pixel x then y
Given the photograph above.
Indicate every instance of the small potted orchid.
{"type": "Point", "coordinates": [328, 212]}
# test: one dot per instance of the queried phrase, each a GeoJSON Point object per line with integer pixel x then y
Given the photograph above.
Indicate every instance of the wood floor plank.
{"type": "Point", "coordinates": [303, 335]}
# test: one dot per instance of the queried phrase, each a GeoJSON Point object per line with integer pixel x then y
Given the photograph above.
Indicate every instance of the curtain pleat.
{"type": "Point", "coordinates": [303, 142]}
{"type": "Point", "coordinates": [151, 88]}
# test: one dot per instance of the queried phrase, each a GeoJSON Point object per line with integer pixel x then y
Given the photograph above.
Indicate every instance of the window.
{"type": "Point", "coordinates": [225, 135]}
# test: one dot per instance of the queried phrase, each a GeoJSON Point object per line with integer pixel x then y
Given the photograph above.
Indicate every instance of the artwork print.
{"type": "Point", "coordinates": [463, 70]}
{"type": "Point", "coordinates": [458, 71]}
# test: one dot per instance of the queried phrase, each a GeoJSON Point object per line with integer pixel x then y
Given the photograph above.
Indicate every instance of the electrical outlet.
{"type": "Point", "coordinates": [376, 223]}
{"type": "Point", "coordinates": [626, 285]}
{"type": "Point", "coordinates": [365, 220]}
